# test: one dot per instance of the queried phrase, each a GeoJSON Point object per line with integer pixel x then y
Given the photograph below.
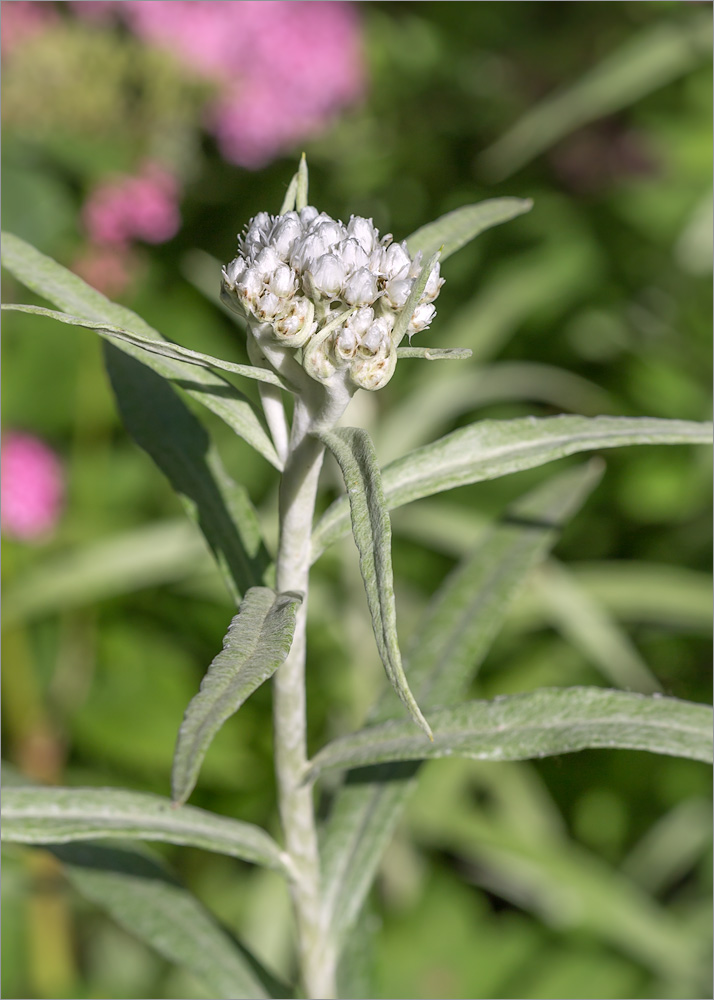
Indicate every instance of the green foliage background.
{"type": "Point", "coordinates": [598, 301]}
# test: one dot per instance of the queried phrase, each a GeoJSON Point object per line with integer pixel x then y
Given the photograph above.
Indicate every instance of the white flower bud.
{"type": "Point", "coordinates": [306, 251]}
{"type": "Point", "coordinates": [297, 326]}
{"type": "Point", "coordinates": [360, 288]}
{"type": "Point", "coordinates": [421, 318]}
{"type": "Point", "coordinates": [234, 271]}
{"type": "Point", "coordinates": [363, 231]}
{"type": "Point", "coordinates": [346, 344]}
{"type": "Point", "coordinates": [329, 231]}
{"type": "Point", "coordinates": [352, 254]}
{"type": "Point", "coordinates": [415, 269]}
{"type": "Point", "coordinates": [397, 292]}
{"type": "Point", "coordinates": [433, 285]}
{"type": "Point", "coordinates": [374, 371]}
{"type": "Point", "coordinates": [285, 232]}
{"type": "Point", "coordinates": [283, 281]}
{"type": "Point", "coordinates": [325, 278]}
{"type": "Point", "coordinates": [268, 306]}
{"type": "Point", "coordinates": [376, 336]}
{"type": "Point", "coordinates": [266, 262]}
{"type": "Point", "coordinates": [308, 215]}
{"type": "Point", "coordinates": [250, 286]}
{"type": "Point", "coordinates": [360, 321]}
{"type": "Point", "coordinates": [396, 260]}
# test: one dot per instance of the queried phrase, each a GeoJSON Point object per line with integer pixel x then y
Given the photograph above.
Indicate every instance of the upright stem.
{"type": "Point", "coordinates": [297, 503]}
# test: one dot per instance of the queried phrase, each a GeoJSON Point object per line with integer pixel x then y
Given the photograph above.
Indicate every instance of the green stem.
{"type": "Point", "coordinates": [297, 503]}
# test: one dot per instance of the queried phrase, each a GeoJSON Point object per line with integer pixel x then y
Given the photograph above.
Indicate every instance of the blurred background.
{"type": "Point", "coordinates": [138, 139]}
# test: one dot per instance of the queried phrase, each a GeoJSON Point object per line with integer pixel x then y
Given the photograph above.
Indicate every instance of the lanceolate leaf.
{"type": "Point", "coordinates": [50, 280]}
{"type": "Point", "coordinates": [164, 348]}
{"type": "Point", "coordinates": [257, 642]}
{"type": "Point", "coordinates": [33, 815]}
{"type": "Point", "coordinates": [492, 448]}
{"type": "Point", "coordinates": [446, 652]}
{"type": "Point", "coordinates": [455, 229]}
{"type": "Point", "coordinates": [538, 724]}
{"type": "Point", "coordinates": [145, 899]}
{"type": "Point", "coordinates": [373, 536]}
{"type": "Point", "coordinates": [162, 424]}
{"type": "Point", "coordinates": [435, 354]}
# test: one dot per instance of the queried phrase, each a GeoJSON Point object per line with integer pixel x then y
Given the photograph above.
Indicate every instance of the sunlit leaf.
{"type": "Point", "coordinates": [257, 642]}
{"type": "Point", "coordinates": [33, 815]}
{"type": "Point", "coordinates": [455, 229]}
{"type": "Point", "coordinates": [492, 448]}
{"type": "Point", "coordinates": [373, 536]}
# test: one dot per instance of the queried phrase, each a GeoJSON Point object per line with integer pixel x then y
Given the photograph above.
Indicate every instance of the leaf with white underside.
{"type": "Point", "coordinates": [538, 724]}
{"type": "Point", "coordinates": [34, 815]}
{"type": "Point", "coordinates": [257, 642]}
{"type": "Point", "coordinates": [68, 292]}
{"type": "Point", "coordinates": [163, 425]}
{"type": "Point", "coordinates": [457, 228]}
{"type": "Point", "coordinates": [492, 448]}
{"type": "Point", "coordinates": [435, 354]}
{"type": "Point", "coordinates": [445, 653]}
{"type": "Point", "coordinates": [372, 532]}
{"type": "Point", "coordinates": [144, 898]}
{"type": "Point", "coordinates": [164, 348]}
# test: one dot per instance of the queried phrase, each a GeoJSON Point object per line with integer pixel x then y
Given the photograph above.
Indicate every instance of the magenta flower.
{"type": "Point", "coordinates": [142, 207]}
{"type": "Point", "coordinates": [21, 19]}
{"type": "Point", "coordinates": [284, 69]}
{"type": "Point", "coordinates": [31, 487]}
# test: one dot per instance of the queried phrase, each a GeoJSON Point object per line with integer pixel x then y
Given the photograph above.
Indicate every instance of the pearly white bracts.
{"type": "Point", "coordinates": [333, 290]}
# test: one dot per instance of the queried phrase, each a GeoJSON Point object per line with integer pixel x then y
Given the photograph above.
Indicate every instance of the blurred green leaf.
{"type": "Point", "coordinates": [542, 723]}
{"type": "Point", "coordinates": [591, 629]}
{"type": "Point", "coordinates": [163, 348]}
{"type": "Point", "coordinates": [50, 280]}
{"type": "Point", "coordinates": [657, 55]}
{"type": "Point", "coordinates": [148, 902]}
{"type": "Point", "coordinates": [161, 424]}
{"type": "Point", "coordinates": [35, 815]}
{"type": "Point", "coordinates": [457, 228]}
{"type": "Point", "coordinates": [446, 651]}
{"type": "Point", "coordinates": [669, 849]}
{"type": "Point", "coordinates": [256, 643]}
{"type": "Point", "coordinates": [491, 448]}
{"type": "Point", "coordinates": [372, 532]}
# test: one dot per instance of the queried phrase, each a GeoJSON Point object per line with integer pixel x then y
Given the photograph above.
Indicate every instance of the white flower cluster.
{"type": "Point", "coordinates": [333, 290]}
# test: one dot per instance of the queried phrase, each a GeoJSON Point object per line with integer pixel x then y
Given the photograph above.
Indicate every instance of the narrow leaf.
{"type": "Point", "coordinates": [301, 193]}
{"type": "Point", "coordinates": [164, 348]}
{"type": "Point", "coordinates": [373, 536]}
{"type": "Point", "coordinates": [538, 724]}
{"type": "Point", "coordinates": [455, 229]}
{"type": "Point", "coordinates": [407, 311]}
{"type": "Point", "coordinates": [435, 354]}
{"type": "Point", "coordinates": [162, 424]}
{"type": "Point", "coordinates": [33, 815]}
{"type": "Point", "coordinates": [66, 290]}
{"type": "Point", "coordinates": [492, 448]}
{"type": "Point", "coordinates": [148, 902]}
{"type": "Point", "coordinates": [445, 653]}
{"type": "Point", "coordinates": [257, 642]}
{"type": "Point", "coordinates": [288, 204]}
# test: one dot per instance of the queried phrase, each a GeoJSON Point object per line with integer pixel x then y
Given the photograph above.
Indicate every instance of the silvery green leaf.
{"type": "Point", "coordinates": [434, 353]}
{"type": "Point", "coordinates": [446, 651]}
{"type": "Point", "coordinates": [492, 448]}
{"type": "Point", "coordinates": [372, 532]}
{"type": "Point", "coordinates": [648, 60]}
{"type": "Point", "coordinates": [162, 424]}
{"type": "Point", "coordinates": [149, 902]}
{"type": "Point", "coordinates": [541, 723]}
{"type": "Point", "coordinates": [288, 204]}
{"type": "Point", "coordinates": [405, 314]}
{"type": "Point", "coordinates": [457, 228]}
{"type": "Point", "coordinates": [301, 191]}
{"type": "Point", "coordinates": [257, 642]}
{"type": "Point", "coordinates": [66, 290]}
{"type": "Point", "coordinates": [164, 348]}
{"type": "Point", "coordinates": [33, 815]}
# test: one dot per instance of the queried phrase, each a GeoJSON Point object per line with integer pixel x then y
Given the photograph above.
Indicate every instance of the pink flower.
{"type": "Point", "coordinates": [31, 488]}
{"type": "Point", "coordinates": [109, 269]}
{"type": "Point", "coordinates": [21, 19]}
{"type": "Point", "coordinates": [142, 207]}
{"type": "Point", "coordinates": [284, 68]}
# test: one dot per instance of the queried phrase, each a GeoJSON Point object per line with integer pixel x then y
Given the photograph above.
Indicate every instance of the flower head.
{"type": "Point", "coordinates": [31, 488]}
{"type": "Point", "coordinates": [334, 289]}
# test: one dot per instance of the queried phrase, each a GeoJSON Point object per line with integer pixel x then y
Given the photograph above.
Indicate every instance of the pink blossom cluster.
{"type": "Point", "coordinates": [140, 207]}
{"type": "Point", "coordinates": [31, 487]}
{"type": "Point", "coordinates": [21, 19]}
{"type": "Point", "coordinates": [283, 68]}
